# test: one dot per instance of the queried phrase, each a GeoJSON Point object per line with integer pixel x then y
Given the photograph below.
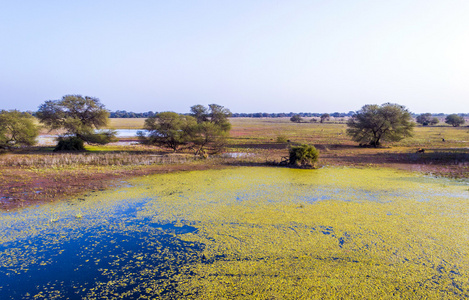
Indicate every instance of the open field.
{"type": "Point", "coordinates": [134, 221]}
{"type": "Point", "coordinates": [126, 123]}
{"type": "Point", "coordinates": [38, 175]}
{"type": "Point", "coordinates": [444, 145]}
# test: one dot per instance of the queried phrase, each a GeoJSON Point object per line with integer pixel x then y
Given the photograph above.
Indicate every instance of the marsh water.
{"type": "Point", "coordinates": [266, 233]}
{"type": "Point", "coordinates": [49, 139]}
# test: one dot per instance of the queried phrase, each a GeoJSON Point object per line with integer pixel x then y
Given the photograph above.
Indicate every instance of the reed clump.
{"type": "Point", "coordinates": [93, 159]}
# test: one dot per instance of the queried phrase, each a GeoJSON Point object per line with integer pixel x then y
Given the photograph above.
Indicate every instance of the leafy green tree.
{"type": "Point", "coordinates": [212, 127]}
{"type": "Point", "coordinates": [200, 113]}
{"type": "Point", "coordinates": [296, 119]}
{"type": "Point", "coordinates": [434, 121]}
{"type": "Point", "coordinates": [169, 129]}
{"type": "Point", "coordinates": [374, 124]}
{"type": "Point", "coordinates": [454, 120]}
{"type": "Point", "coordinates": [79, 116]}
{"type": "Point", "coordinates": [17, 129]}
{"type": "Point", "coordinates": [303, 156]}
{"type": "Point", "coordinates": [324, 117]}
{"type": "Point", "coordinates": [204, 127]}
{"type": "Point", "coordinates": [424, 119]}
{"type": "Point", "coordinates": [208, 134]}
{"type": "Point", "coordinates": [219, 115]}
{"type": "Point", "coordinates": [427, 119]}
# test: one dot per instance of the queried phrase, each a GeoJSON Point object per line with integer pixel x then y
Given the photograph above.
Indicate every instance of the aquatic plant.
{"type": "Point", "coordinates": [93, 159]}
{"type": "Point", "coordinates": [266, 233]}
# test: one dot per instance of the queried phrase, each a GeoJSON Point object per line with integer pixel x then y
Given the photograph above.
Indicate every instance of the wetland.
{"type": "Point", "coordinates": [245, 232]}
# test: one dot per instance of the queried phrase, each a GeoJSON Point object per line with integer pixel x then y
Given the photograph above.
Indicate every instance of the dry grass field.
{"type": "Point", "coordinates": [37, 174]}
{"type": "Point", "coordinates": [446, 147]}
{"type": "Point", "coordinates": [126, 123]}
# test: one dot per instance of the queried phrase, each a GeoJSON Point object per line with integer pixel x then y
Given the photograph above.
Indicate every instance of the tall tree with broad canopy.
{"type": "Point", "coordinates": [324, 117]}
{"type": "Point", "coordinates": [17, 129]}
{"type": "Point", "coordinates": [204, 127]}
{"type": "Point", "coordinates": [168, 129]}
{"type": "Point", "coordinates": [219, 115]}
{"type": "Point", "coordinates": [427, 119]}
{"type": "Point", "coordinates": [454, 120]}
{"type": "Point", "coordinates": [208, 134]}
{"type": "Point", "coordinates": [79, 116]}
{"type": "Point", "coordinates": [200, 113]}
{"type": "Point", "coordinates": [374, 124]}
{"type": "Point", "coordinates": [212, 126]}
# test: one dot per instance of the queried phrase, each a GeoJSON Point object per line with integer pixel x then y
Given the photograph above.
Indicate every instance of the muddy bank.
{"type": "Point", "coordinates": [26, 187]}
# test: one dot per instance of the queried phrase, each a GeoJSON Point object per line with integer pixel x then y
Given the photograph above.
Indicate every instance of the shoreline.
{"type": "Point", "coordinates": [28, 186]}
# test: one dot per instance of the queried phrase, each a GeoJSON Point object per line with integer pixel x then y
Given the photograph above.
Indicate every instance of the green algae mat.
{"type": "Point", "coordinates": [246, 233]}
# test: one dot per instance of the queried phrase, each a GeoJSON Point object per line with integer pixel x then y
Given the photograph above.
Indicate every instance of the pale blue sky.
{"type": "Point", "coordinates": [250, 56]}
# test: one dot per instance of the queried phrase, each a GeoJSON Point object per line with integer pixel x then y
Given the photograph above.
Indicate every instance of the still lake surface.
{"type": "Point", "coordinates": [44, 140]}
{"type": "Point", "coordinates": [267, 233]}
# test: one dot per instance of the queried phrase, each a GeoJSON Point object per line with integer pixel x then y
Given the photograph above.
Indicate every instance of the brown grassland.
{"type": "Point", "coordinates": [37, 175]}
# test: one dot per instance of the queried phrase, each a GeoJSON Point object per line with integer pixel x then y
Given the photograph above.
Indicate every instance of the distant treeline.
{"type": "Point", "coordinates": [127, 114]}
{"type": "Point", "coordinates": [131, 114]}
{"type": "Point", "coordinates": [289, 115]}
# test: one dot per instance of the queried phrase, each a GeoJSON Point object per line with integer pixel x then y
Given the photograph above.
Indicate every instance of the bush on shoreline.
{"type": "Point", "coordinates": [303, 156]}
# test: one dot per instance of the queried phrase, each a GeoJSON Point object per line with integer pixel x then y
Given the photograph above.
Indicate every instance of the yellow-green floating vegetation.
{"type": "Point", "coordinates": [244, 233]}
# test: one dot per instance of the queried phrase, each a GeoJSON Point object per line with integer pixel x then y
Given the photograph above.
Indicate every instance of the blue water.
{"type": "Point", "coordinates": [127, 132]}
{"type": "Point", "coordinates": [70, 261]}
{"type": "Point", "coordinates": [122, 247]}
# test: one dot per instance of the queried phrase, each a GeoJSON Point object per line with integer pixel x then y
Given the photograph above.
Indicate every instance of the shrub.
{"type": "Point", "coordinates": [282, 139]}
{"type": "Point", "coordinates": [101, 137]}
{"type": "Point", "coordinates": [303, 156]}
{"type": "Point", "coordinates": [296, 119]}
{"type": "Point", "coordinates": [69, 143]}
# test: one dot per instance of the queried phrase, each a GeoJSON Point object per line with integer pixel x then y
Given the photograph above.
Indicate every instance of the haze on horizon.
{"type": "Point", "coordinates": [249, 56]}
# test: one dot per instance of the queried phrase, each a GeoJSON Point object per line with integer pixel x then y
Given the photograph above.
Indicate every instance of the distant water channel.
{"type": "Point", "coordinates": [127, 132]}
{"type": "Point", "coordinates": [243, 233]}
{"type": "Point", "coordinates": [120, 133]}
